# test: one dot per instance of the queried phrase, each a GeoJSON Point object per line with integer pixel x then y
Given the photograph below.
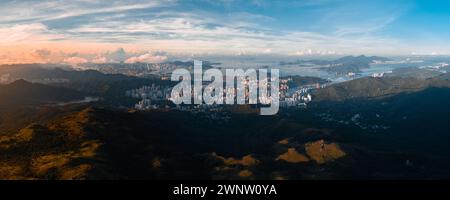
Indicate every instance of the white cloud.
{"type": "Point", "coordinates": [41, 53]}
{"type": "Point", "coordinates": [135, 22]}
{"type": "Point", "coordinates": [267, 51]}
{"type": "Point", "coordinates": [53, 10]}
{"type": "Point", "coordinates": [28, 33]}
{"type": "Point", "coordinates": [75, 60]}
{"type": "Point", "coordinates": [147, 58]}
{"type": "Point", "coordinates": [192, 33]}
{"type": "Point", "coordinates": [366, 27]}
{"type": "Point", "coordinates": [100, 59]}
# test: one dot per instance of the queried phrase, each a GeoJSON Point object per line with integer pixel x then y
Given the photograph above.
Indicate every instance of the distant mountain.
{"type": "Point", "coordinates": [305, 80]}
{"type": "Point", "coordinates": [88, 142]}
{"type": "Point", "coordinates": [342, 65]}
{"type": "Point", "coordinates": [413, 72]}
{"type": "Point", "coordinates": [190, 64]}
{"type": "Point", "coordinates": [360, 59]}
{"type": "Point", "coordinates": [52, 74]}
{"type": "Point", "coordinates": [328, 140]}
{"type": "Point", "coordinates": [22, 92]}
{"type": "Point", "coordinates": [351, 64]}
{"type": "Point", "coordinates": [369, 87]}
{"type": "Point", "coordinates": [111, 87]}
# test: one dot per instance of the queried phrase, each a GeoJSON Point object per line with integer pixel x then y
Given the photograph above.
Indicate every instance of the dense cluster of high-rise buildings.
{"type": "Point", "coordinates": [156, 96]}
{"type": "Point", "coordinates": [150, 96]}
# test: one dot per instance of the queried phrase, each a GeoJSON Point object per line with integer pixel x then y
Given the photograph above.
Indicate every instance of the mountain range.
{"type": "Point", "coordinates": [341, 66]}
{"type": "Point", "coordinates": [368, 128]}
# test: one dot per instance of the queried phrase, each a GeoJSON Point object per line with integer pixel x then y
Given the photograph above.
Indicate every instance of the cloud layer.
{"type": "Point", "coordinates": [94, 29]}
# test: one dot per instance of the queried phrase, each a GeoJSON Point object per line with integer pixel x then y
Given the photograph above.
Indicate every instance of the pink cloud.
{"type": "Point", "coordinates": [75, 60]}
{"type": "Point", "coordinates": [147, 58]}
{"type": "Point", "coordinates": [41, 53]}
{"type": "Point", "coordinates": [99, 60]}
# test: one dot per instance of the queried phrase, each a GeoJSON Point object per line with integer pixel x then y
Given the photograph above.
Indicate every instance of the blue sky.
{"type": "Point", "coordinates": [230, 26]}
